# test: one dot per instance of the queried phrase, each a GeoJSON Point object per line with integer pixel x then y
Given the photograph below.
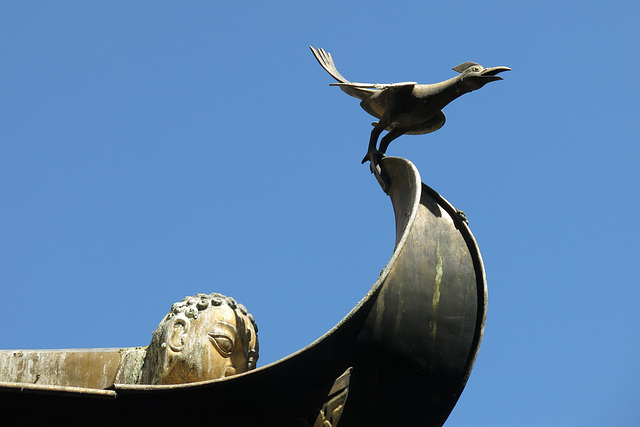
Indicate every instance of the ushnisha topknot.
{"type": "Point", "coordinates": [191, 306]}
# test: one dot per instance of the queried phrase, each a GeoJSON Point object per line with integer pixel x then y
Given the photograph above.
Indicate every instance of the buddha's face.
{"type": "Point", "coordinates": [208, 347]}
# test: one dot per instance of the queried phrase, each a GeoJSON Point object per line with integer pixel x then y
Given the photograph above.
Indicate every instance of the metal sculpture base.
{"type": "Point", "coordinates": [402, 356]}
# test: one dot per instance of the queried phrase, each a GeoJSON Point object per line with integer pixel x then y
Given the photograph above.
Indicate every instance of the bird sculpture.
{"type": "Point", "coordinates": [407, 107]}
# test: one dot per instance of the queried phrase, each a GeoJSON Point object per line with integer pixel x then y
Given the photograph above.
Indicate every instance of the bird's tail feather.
{"type": "Point", "coordinates": [326, 61]}
{"type": "Point", "coordinates": [357, 90]}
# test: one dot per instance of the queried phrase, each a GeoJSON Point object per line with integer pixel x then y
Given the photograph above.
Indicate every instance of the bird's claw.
{"type": "Point", "coordinates": [374, 157]}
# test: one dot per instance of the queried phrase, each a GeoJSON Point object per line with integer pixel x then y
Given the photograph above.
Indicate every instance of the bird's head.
{"type": "Point", "coordinates": [473, 76]}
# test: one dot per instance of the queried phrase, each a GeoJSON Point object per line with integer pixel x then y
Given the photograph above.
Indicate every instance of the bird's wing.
{"type": "Point", "coordinates": [379, 86]}
{"type": "Point", "coordinates": [365, 90]}
{"type": "Point", "coordinates": [401, 87]}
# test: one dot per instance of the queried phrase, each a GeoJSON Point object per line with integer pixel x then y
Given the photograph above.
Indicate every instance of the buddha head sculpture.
{"type": "Point", "coordinates": [204, 337]}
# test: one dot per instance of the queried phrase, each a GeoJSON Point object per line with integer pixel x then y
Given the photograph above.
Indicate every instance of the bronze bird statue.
{"type": "Point", "coordinates": [407, 107]}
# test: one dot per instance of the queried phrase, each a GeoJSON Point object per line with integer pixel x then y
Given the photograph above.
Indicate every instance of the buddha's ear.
{"type": "Point", "coordinates": [178, 330]}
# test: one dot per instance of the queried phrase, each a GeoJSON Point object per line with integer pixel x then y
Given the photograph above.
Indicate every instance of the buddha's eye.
{"type": "Point", "coordinates": [222, 343]}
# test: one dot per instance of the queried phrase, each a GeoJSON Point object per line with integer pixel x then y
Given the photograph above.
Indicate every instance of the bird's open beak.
{"type": "Point", "coordinates": [490, 74]}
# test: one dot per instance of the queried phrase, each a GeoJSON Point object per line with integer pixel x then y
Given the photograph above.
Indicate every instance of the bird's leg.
{"type": "Point", "coordinates": [374, 155]}
{"type": "Point", "coordinates": [386, 140]}
{"type": "Point", "coordinates": [373, 141]}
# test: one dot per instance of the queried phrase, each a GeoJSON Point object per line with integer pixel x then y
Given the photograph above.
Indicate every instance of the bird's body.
{"type": "Point", "coordinates": [414, 107]}
{"type": "Point", "coordinates": [407, 107]}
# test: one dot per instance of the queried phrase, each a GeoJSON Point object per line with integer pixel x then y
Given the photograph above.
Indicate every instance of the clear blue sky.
{"type": "Point", "coordinates": [153, 150]}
